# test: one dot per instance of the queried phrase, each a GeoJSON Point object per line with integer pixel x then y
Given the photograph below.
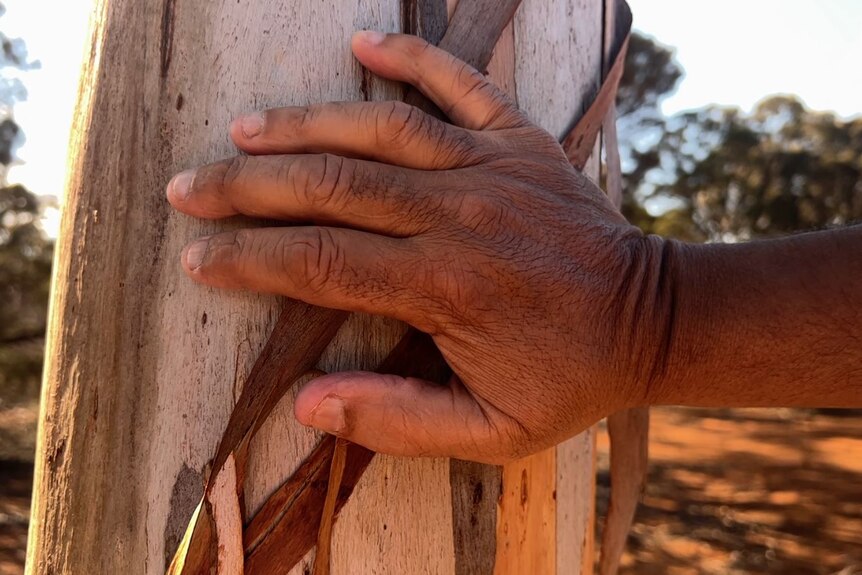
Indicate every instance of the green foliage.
{"type": "Point", "coordinates": [25, 253]}
{"type": "Point", "coordinates": [778, 170]}
{"type": "Point", "coordinates": [720, 175]}
{"type": "Point", "coordinates": [651, 73]}
{"type": "Point", "coordinates": [25, 266]}
{"type": "Point", "coordinates": [25, 270]}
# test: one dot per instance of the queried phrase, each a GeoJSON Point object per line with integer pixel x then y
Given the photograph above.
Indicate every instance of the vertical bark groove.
{"type": "Point", "coordinates": [167, 39]}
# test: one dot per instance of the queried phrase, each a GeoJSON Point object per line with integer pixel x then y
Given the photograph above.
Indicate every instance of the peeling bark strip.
{"type": "Point", "coordinates": [629, 435]}
{"type": "Point", "coordinates": [322, 560]}
{"type": "Point", "coordinates": [579, 143]}
{"type": "Point", "coordinates": [424, 18]}
{"type": "Point", "coordinates": [294, 347]}
{"type": "Point", "coordinates": [284, 530]}
{"type": "Point", "coordinates": [476, 27]}
{"type": "Point", "coordinates": [309, 476]}
{"type": "Point", "coordinates": [473, 32]}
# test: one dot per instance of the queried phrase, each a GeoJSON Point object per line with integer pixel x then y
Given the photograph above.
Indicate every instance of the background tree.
{"type": "Point", "coordinates": [651, 74]}
{"type": "Point", "coordinates": [782, 168]}
{"type": "Point", "coordinates": [719, 174]}
{"type": "Point", "coordinates": [25, 267]}
{"type": "Point", "coordinates": [25, 251]}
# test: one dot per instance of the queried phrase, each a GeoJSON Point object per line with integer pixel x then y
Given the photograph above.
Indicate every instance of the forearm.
{"type": "Point", "coordinates": [766, 323]}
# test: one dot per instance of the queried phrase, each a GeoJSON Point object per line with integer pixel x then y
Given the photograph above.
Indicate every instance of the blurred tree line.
{"type": "Point", "coordinates": [718, 174]}
{"type": "Point", "coordinates": [25, 251]}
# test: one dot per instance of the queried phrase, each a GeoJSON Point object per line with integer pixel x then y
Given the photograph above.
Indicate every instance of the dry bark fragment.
{"type": "Point", "coordinates": [629, 428]}
{"type": "Point", "coordinates": [286, 527]}
{"type": "Point", "coordinates": [629, 435]}
{"type": "Point", "coordinates": [324, 535]}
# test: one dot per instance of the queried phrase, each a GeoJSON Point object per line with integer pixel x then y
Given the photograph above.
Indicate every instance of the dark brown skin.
{"type": "Point", "coordinates": [552, 310]}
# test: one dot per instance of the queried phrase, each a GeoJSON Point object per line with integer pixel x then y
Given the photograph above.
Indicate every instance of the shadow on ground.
{"type": "Point", "coordinates": [16, 479]}
{"type": "Point", "coordinates": [730, 492]}
{"type": "Point", "coordinates": [748, 491]}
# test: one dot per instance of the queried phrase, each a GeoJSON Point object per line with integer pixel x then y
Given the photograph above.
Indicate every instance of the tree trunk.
{"type": "Point", "coordinates": [144, 366]}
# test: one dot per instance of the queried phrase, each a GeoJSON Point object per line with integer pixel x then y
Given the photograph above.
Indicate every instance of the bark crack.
{"type": "Point", "coordinates": [167, 41]}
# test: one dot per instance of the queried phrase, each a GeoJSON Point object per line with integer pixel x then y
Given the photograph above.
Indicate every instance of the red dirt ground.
{"type": "Point", "coordinates": [730, 492]}
{"type": "Point", "coordinates": [16, 480]}
{"type": "Point", "coordinates": [749, 491]}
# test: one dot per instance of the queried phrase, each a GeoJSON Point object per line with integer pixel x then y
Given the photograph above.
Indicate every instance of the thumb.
{"type": "Point", "coordinates": [400, 416]}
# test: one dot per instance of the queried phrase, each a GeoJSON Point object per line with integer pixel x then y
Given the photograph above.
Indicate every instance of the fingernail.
{"type": "Point", "coordinates": [372, 37]}
{"type": "Point", "coordinates": [329, 415]}
{"type": "Point", "coordinates": [181, 185]}
{"type": "Point", "coordinates": [196, 252]}
{"type": "Point", "coordinates": [251, 125]}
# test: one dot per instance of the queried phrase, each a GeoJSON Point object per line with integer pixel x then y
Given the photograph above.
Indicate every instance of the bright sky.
{"type": "Point", "coordinates": [734, 52]}
{"type": "Point", "coordinates": [55, 32]}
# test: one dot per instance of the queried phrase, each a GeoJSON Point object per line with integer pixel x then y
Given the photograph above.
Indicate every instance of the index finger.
{"type": "Point", "coordinates": [460, 91]}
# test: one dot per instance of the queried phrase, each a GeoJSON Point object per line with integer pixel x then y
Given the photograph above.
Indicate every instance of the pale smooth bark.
{"type": "Point", "coordinates": [144, 366]}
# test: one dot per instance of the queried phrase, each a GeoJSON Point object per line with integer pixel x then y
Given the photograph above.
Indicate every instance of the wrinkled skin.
{"type": "Point", "coordinates": [550, 308]}
{"type": "Point", "coordinates": [479, 233]}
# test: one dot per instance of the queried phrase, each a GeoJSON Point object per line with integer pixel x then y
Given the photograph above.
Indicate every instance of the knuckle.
{"type": "Point", "coordinates": [513, 439]}
{"type": "Point", "coordinates": [460, 147]}
{"type": "Point", "coordinates": [309, 117]}
{"type": "Point", "coordinates": [473, 81]}
{"type": "Point", "coordinates": [398, 124]}
{"type": "Point", "coordinates": [470, 76]}
{"type": "Point", "coordinates": [501, 439]}
{"type": "Point", "coordinates": [534, 139]}
{"type": "Point", "coordinates": [483, 212]}
{"type": "Point", "coordinates": [235, 170]}
{"type": "Point", "coordinates": [523, 179]}
{"type": "Point", "coordinates": [247, 249]}
{"type": "Point", "coordinates": [504, 113]}
{"type": "Point", "coordinates": [322, 181]}
{"type": "Point", "coordinates": [232, 254]}
{"type": "Point", "coordinates": [515, 449]}
{"type": "Point", "coordinates": [316, 258]}
{"type": "Point", "coordinates": [225, 175]}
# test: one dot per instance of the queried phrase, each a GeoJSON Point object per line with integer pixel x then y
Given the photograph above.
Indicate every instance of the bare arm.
{"type": "Point", "coordinates": [551, 309]}
{"type": "Point", "coordinates": [765, 323]}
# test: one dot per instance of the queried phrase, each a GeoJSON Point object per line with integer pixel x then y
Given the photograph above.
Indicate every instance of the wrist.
{"type": "Point", "coordinates": [659, 300]}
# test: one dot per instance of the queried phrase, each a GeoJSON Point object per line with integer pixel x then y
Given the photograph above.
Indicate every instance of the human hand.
{"type": "Point", "coordinates": [538, 293]}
